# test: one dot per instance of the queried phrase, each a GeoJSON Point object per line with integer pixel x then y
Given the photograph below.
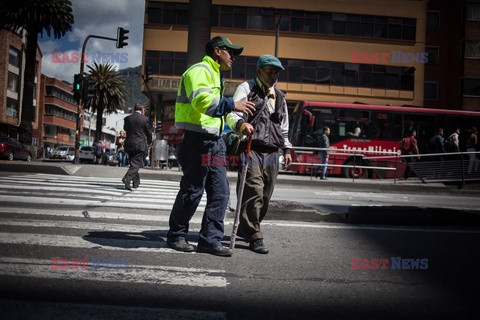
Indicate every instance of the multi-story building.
{"type": "Point", "coordinates": [12, 66]}
{"type": "Point", "coordinates": [370, 51]}
{"type": "Point", "coordinates": [452, 74]}
{"type": "Point", "coordinates": [59, 113]}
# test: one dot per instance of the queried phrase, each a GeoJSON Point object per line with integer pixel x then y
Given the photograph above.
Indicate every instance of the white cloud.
{"type": "Point", "coordinates": [97, 17]}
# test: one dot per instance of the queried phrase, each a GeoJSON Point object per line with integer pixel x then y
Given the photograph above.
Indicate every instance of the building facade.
{"type": "Point", "coordinates": [337, 51]}
{"type": "Point", "coordinates": [59, 114]}
{"type": "Point", "coordinates": [12, 66]}
{"type": "Point", "coordinates": [452, 74]}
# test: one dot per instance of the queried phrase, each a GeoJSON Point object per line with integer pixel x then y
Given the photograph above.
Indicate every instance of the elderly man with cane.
{"type": "Point", "coordinates": [270, 124]}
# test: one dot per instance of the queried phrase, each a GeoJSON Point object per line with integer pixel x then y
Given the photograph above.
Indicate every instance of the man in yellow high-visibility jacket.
{"type": "Point", "coordinates": [200, 109]}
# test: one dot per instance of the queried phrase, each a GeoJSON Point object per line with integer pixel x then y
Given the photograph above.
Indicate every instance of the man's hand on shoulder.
{"type": "Point", "coordinates": [247, 107]}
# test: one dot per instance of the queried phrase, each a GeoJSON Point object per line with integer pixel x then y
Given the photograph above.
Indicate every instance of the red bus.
{"type": "Point", "coordinates": [381, 129]}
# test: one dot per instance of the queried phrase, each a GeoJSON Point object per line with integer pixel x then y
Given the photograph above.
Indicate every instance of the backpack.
{"type": "Point", "coordinates": [405, 144]}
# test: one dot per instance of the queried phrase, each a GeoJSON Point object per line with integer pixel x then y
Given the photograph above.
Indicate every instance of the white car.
{"type": "Point", "coordinates": [63, 153]}
{"type": "Point", "coordinates": [87, 154]}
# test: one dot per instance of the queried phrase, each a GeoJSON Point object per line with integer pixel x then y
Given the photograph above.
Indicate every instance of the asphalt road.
{"type": "Point", "coordinates": [314, 270]}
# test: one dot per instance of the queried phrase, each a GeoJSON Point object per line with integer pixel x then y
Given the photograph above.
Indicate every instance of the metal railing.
{"type": "Point", "coordinates": [352, 153]}
{"type": "Point", "coordinates": [443, 167]}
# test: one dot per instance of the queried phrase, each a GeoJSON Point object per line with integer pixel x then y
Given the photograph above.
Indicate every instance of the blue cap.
{"type": "Point", "coordinates": [269, 60]}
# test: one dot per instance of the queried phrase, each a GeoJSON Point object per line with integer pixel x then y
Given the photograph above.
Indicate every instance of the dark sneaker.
{"type": "Point", "coordinates": [181, 245]}
{"type": "Point", "coordinates": [257, 246]}
{"type": "Point", "coordinates": [218, 251]}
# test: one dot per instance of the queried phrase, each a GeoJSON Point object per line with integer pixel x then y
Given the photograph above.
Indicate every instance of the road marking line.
{"type": "Point", "coordinates": [92, 214]}
{"type": "Point", "coordinates": [158, 275]}
{"type": "Point", "coordinates": [86, 242]}
{"type": "Point", "coordinates": [88, 225]}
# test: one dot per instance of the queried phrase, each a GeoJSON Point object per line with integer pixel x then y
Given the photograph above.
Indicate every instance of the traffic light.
{"type": "Point", "coordinates": [89, 88]}
{"type": "Point", "coordinates": [77, 87]}
{"type": "Point", "coordinates": [148, 72]}
{"type": "Point", "coordinates": [121, 38]}
{"type": "Point", "coordinates": [159, 125]}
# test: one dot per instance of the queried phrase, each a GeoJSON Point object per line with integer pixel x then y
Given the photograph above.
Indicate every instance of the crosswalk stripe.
{"type": "Point", "coordinates": [86, 242]}
{"type": "Point", "coordinates": [89, 225]}
{"type": "Point", "coordinates": [54, 190]}
{"type": "Point", "coordinates": [93, 214]}
{"type": "Point", "coordinates": [161, 275]}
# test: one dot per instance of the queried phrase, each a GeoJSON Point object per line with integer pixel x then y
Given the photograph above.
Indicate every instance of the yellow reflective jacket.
{"type": "Point", "coordinates": [200, 106]}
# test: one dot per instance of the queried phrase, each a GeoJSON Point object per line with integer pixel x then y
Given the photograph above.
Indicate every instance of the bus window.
{"type": "Point", "coordinates": [341, 129]}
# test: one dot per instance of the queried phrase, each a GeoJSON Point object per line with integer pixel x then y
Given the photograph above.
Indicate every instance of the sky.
{"type": "Point", "coordinates": [101, 18]}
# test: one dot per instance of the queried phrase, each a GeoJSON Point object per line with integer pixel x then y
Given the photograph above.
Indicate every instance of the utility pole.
{"type": "Point", "coordinates": [121, 38]}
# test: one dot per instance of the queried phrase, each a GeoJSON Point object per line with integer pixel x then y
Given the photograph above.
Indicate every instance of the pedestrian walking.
{"type": "Point", "coordinates": [199, 110]}
{"type": "Point", "coordinates": [324, 142]}
{"type": "Point", "coordinates": [452, 143]}
{"type": "Point", "coordinates": [138, 135]}
{"type": "Point", "coordinates": [270, 126]}
{"type": "Point", "coordinates": [437, 145]}
{"type": "Point", "coordinates": [472, 146]}
{"type": "Point", "coordinates": [408, 147]}
{"type": "Point", "coordinates": [99, 152]}
{"type": "Point", "coordinates": [121, 154]}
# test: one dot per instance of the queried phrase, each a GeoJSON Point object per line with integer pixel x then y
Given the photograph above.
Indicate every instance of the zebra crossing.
{"type": "Point", "coordinates": [52, 212]}
{"type": "Point", "coordinates": [88, 191]}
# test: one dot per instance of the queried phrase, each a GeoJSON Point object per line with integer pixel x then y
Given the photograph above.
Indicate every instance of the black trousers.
{"type": "Point", "coordinates": [136, 162]}
{"type": "Point", "coordinates": [201, 175]}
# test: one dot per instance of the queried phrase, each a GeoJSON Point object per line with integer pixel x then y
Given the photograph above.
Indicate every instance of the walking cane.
{"type": "Point", "coordinates": [241, 185]}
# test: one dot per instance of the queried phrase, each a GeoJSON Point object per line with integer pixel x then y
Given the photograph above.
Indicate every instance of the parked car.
{"type": "Point", "coordinates": [12, 149]}
{"type": "Point", "coordinates": [87, 154]}
{"type": "Point", "coordinates": [63, 153]}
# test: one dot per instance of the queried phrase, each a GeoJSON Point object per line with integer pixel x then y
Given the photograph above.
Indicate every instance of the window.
{"type": "Point", "coordinates": [430, 90]}
{"type": "Point", "coordinates": [433, 55]}
{"type": "Point", "coordinates": [51, 110]}
{"type": "Point", "coordinates": [167, 13]}
{"type": "Point", "coordinates": [13, 82]}
{"type": "Point", "coordinates": [14, 57]}
{"type": "Point", "coordinates": [12, 107]}
{"type": "Point", "coordinates": [257, 18]}
{"type": "Point", "coordinates": [166, 63]}
{"type": "Point", "coordinates": [470, 87]}
{"type": "Point", "coordinates": [56, 92]}
{"type": "Point", "coordinates": [472, 11]}
{"type": "Point", "coordinates": [433, 19]}
{"type": "Point", "coordinates": [471, 49]}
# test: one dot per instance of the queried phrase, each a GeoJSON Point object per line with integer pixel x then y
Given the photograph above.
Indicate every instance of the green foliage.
{"type": "Point", "coordinates": [109, 95]}
{"type": "Point", "coordinates": [35, 17]}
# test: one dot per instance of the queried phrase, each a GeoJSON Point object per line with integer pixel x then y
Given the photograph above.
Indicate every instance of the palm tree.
{"type": "Point", "coordinates": [35, 17]}
{"type": "Point", "coordinates": [109, 93]}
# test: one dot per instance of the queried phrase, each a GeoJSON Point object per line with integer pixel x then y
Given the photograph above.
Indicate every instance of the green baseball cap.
{"type": "Point", "coordinates": [222, 42]}
{"type": "Point", "coordinates": [269, 60]}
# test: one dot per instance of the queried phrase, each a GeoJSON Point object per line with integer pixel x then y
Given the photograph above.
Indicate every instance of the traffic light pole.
{"type": "Point", "coordinates": [76, 160]}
